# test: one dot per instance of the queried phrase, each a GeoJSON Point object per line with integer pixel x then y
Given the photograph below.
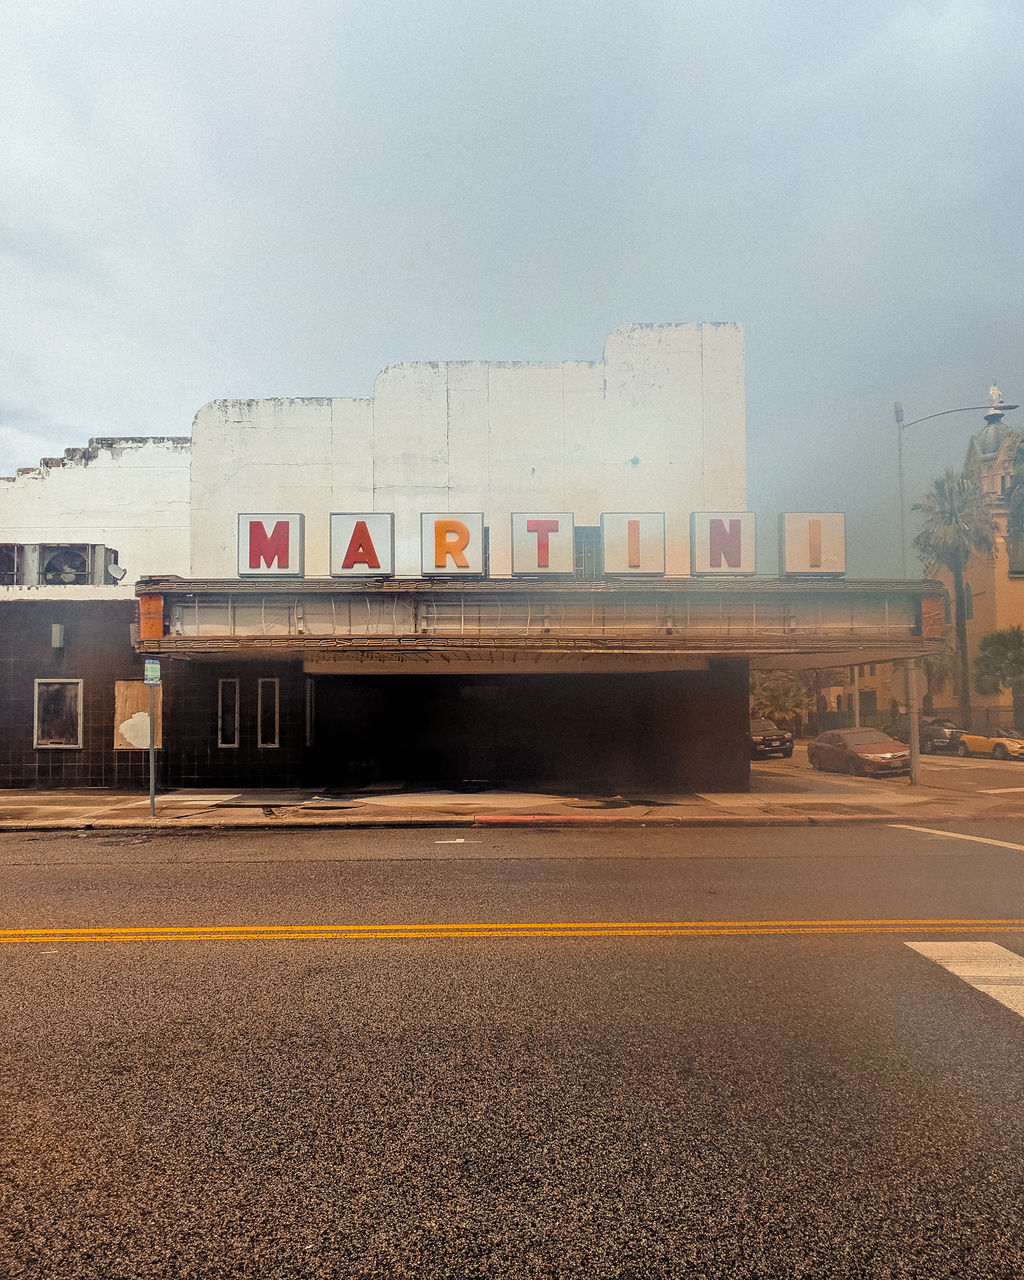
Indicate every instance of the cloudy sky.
{"type": "Point", "coordinates": [212, 198]}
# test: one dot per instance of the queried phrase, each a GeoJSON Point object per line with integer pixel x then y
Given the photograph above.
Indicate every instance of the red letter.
{"type": "Point", "coordinates": [542, 528]}
{"type": "Point", "coordinates": [633, 543]}
{"type": "Point", "coordinates": [268, 549]}
{"type": "Point", "coordinates": [360, 548]}
{"type": "Point", "coordinates": [728, 544]}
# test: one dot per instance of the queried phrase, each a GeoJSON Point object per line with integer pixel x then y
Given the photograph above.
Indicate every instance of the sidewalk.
{"type": "Point", "coordinates": [782, 793]}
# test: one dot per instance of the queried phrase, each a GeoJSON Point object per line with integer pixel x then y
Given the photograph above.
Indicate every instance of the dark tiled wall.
{"type": "Point", "coordinates": [193, 758]}
{"type": "Point", "coordinates": [97, 650]}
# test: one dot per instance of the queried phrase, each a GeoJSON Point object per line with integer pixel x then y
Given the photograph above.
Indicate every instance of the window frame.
{"type": "Point", "coordinates": [220, 713]}
{"type": "Point", "coordinates": [57, 746]}
{"type": "Point", "coordinates": [260, 683]}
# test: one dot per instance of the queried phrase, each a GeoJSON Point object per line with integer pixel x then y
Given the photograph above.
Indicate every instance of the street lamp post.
{"type": "Point", "coordinates": [910, 668]}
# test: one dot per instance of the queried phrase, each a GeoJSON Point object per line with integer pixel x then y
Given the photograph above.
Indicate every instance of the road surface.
{"type": "Point", "coordinates": [424, 1053]}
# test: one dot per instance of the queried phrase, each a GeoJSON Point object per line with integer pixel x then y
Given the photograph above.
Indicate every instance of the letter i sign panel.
{"type": "Point", "coordinates": [812, 542]}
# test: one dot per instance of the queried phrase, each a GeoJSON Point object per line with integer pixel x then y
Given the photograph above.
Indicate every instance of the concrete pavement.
{"type": "Point", "coordinates": [782, 792]}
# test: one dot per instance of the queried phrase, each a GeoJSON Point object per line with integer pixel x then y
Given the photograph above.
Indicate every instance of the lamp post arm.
{"type": "Point", "coordinates": [970, 408]}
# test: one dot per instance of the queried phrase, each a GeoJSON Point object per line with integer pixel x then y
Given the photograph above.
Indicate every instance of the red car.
{"type": "Point", "coordinates": [864, 752]}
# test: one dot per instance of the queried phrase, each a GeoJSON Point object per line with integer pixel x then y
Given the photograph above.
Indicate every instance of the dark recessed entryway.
{"type": "Point", "coordinates": [660, 730]}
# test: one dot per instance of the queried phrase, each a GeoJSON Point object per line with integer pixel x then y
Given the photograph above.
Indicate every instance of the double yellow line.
{"type": "Point", "coordinates": [554, 929]}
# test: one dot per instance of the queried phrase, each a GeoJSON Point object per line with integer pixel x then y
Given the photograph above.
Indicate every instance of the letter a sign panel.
{"type": "Point", "coordinates": [362, 546]}
{"type": "Point", "coordinates": [270, 546]}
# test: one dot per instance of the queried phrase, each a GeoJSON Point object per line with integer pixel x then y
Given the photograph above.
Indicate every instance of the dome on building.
{"type": "Point", "coordinates": [992, 435]}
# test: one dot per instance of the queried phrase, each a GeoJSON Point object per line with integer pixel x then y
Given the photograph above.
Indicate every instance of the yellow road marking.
{"type": "Point", "coordinates": [555, 929]}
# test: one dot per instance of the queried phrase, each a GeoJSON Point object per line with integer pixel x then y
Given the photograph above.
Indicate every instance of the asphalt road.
{"type": "Point", "coordinates": [799, 1097]}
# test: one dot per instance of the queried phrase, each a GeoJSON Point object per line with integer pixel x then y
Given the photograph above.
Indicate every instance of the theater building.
{"type": "Point", "coordinates": [486, 574]}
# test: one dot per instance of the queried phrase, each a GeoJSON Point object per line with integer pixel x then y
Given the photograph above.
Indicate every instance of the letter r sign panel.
{"type": "Point", "coordinates": [722, 543]}
{"type": "Point", "coordinates": [452, 544]}
{"type": "Point", "coordinates": [542, 542]}
{"type": "Point", "coordinates": [362, 545]}
{"type": "Point", "coordinates": [812, 542]}
{"type": "Point", "coordinates": [270, 546]}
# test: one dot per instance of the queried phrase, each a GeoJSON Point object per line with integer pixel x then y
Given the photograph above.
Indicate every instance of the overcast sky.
{"type": "Point", "coordinates": [211, 198]}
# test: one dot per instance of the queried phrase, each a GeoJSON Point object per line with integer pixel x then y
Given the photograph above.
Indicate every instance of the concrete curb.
{"type": "Point", "coordinates": [479, 821]}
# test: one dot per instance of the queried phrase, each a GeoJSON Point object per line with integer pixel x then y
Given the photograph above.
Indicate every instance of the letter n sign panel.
{"type": "Point", "coordinates": [812, 542]}
{"type": "Point", "coordinates": [270, 546]}
{"type": "Point", "coordinates": [362, 546]}
{"type": "Point", "coordinates": [452, 544]}
{"type": "Point", "coordinates": [722, 543]}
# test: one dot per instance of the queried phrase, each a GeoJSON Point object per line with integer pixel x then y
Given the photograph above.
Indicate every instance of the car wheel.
{"type": "Point", "coordinates": [786, 754]}
{"type": "Point", "coordinates": [927, 748]}
{"type": "Point", "coordinates": [999, 752]}
{"type": "Point", "coordinates": [962, 749]}
{"type": "Point", "coordinates": [814, 762]}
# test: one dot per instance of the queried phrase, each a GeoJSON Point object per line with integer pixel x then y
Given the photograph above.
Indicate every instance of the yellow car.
{"type": "Point", "coordinates": [1004, 744]}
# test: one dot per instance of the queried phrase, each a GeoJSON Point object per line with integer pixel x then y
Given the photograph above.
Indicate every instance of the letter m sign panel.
{"type": "Point", "coordinates": [270, 546]}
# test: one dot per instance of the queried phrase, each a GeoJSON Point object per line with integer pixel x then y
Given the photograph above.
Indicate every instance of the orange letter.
{"type": "Point", "coordinates": [451, 537]}
{"type": "Point", "coordinates": [268, 549]}
{"type": "Point", "coordinates": [814, 543]}
{"type": "Point", "coordinates": [542, 528]}
{"type": "Point", "coordinates": [728, 544]}
{"type": "Point", "coordinates": [361, 549]}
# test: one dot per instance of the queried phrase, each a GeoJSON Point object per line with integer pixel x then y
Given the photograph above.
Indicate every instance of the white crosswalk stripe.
{"type": "Point", "coordinates": [983, 965]}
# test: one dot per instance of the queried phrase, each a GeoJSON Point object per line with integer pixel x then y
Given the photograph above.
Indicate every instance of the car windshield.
{"type": "Point", "coordinates": [863, 737]}
{"type": "Point", "coordinates": [762, 726]}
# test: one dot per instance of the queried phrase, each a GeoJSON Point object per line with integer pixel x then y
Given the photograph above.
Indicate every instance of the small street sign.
{"type": "Point", "coordinates": [151, 673]}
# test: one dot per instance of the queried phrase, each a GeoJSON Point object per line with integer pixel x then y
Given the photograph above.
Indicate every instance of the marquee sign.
{"type": "Point", "coordinates": [543, 544]}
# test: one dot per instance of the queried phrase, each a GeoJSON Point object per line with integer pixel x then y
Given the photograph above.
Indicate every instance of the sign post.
{"type": "Point", "coordinates": [151, 678]}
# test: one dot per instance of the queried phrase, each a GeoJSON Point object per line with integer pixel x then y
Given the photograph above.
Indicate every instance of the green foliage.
{"type": "Point", "coordinates": [778, 696]}
{"type": "Point", "coordinates": [1015, 498]}
{"type": "Point", "coordinates": [1000, 665]}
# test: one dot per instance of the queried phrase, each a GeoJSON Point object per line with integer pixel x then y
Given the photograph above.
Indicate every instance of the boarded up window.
{"type": "Point", "coordinates": [131, 716]}
{"type": "Point", "coordinates": [58, 713]}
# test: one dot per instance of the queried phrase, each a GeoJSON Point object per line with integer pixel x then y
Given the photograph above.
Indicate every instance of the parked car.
{"type": "Point", "coordinates": [767, 739]}
{"type": "Point", "coordinates": [935, 733]}
{"type": "Point", "coordinates": [864, 752]}
{"type": "Point", "coordinates": [1003, 744]}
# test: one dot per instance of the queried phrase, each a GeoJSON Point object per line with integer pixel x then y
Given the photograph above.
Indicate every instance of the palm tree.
{"type": "Point", "coordinates": [940, 667]}
{"type": "Point", "coordinates": [778, 696]}
{"type": "Point", "coordinates": [1000, 665]}
{"type": "Point", "coordinates": [957, 523]}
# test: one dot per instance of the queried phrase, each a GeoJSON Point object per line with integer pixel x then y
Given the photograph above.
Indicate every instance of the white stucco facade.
{"type": "Point", "coordinates": [130, 495]}
{"type": "Point", "coordinates": [658, 425]}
